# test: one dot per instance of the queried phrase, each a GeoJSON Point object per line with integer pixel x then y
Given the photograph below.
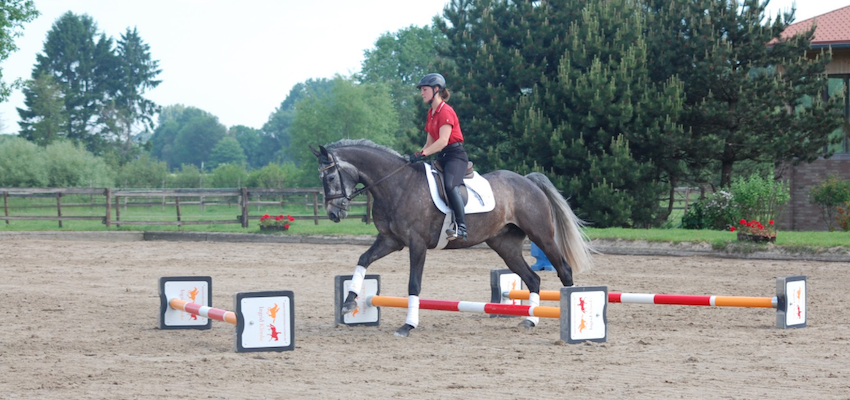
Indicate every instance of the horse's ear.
{"type": "Point", "coordinates": [315, 152]}
{"type": "Point", "coordinates": [324, 151]}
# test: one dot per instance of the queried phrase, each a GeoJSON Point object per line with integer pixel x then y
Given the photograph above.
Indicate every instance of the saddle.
{"type": "Point", "coordinates": [475, 190]}
{"type": "Point", "coordinates": [438, 176]}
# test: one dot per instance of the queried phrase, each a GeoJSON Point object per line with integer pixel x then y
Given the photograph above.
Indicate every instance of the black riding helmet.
{"type": "Point", "coordinates": [431, 80]}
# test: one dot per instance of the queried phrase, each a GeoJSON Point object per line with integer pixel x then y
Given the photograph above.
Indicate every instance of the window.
{"type": "Point", "coordinates": [839, 84]}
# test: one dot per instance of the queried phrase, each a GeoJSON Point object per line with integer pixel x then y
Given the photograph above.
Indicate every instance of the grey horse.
{"type": "Point", "coordinates": [405, 216]}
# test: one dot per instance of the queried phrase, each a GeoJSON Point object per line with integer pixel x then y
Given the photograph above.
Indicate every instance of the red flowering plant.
{"type": "Point", "coordinates": [843, 217]}
{"type": "Point", "coordinates": [755, 230]}
{"type": "Point", "coordinates": [280, 222]}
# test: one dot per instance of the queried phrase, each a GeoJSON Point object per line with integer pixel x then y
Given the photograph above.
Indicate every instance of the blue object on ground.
{"type": "Point", "coordinates": [543, 263]}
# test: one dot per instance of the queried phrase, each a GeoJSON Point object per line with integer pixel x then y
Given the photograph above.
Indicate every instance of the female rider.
{"type": "Point", "coordinates": [446, 140]}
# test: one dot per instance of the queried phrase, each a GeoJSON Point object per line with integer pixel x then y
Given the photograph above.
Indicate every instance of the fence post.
{"type": "Point", "coordinates": [108, 193]}
{"type": "Point", "coordinates": [316, 208]}
{"type": "Point", "coordinates": [59, 207]}
{"type": "Point", "coordinates": [244, 199]}
{"type": "Point", "coordinates": [177, 202]}
{"type": "Point", "coordinates": [6, 204]}
{"type": "Point", "coordinates": [118, 210]}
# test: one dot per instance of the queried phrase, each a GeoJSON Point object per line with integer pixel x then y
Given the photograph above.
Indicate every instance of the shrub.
{"type": "Point", "coordinates": [827, 196]}
{"type": "Point", "coordinates": [70, 165]}
{"type": "Point", "coordinates": [274, 176]}
{"type": "Point", "coordinates": [761, 199]}
{"type": "Point", "coordinates": [22, 164]}
{"type": "Point", "coordinates": [189, 176]}
{"type": "Point", "coordinates": [143, 172]}
{"type": "Point", "coordinates": [228, 176]}
{"type": "Point", "coordinates": [717, 211]}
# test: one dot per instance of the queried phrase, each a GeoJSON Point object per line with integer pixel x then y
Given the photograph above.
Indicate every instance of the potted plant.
{"type": "Point", "coordinates": [754, 231]}
{"type": "Point", "coordinates": [278, 223]}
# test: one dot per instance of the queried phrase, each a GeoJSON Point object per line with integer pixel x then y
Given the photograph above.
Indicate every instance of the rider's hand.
{"type": "Point", "coordinates": [418, 156]}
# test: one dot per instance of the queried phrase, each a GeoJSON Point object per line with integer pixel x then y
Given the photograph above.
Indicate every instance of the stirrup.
{"type": "Point", "coordinates": [459, 232]}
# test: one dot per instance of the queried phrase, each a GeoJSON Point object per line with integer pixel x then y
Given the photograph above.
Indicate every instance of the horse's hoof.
{"type": "Point", "coordinates": [404, 331]}
{"type": "Point", "coordinates": [526, 324]}
{"type": "Point", "coordinates": [348, 307]}
{"type": "Point", "coordinates": [350, 303]}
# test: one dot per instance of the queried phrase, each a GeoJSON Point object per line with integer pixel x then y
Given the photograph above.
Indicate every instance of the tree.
{"type": "Point", "coordinates": [498, 50]}
{"type": "Point", "coordinates": [186, 135]}
{"type": "Point", "coordinates": [81, 61]}
{"type": "Point", "coordinates": [399, 60]}
{"type": "Point", "coordinates": [13, 15]}
{"type": "Point", "coordinates": [227, 151]}
{"type": "Point", "coordinates": [350, 111]}
{"type": "Point", "coordinates": [48, 104]}
{"type": "Point", "coordinates": [748, 90]}
{"type": "Point", "coordinates": [103, 86]}
{"type": "Point", "coordinates": [563, 88]}
{"type": "Point", "coordinates": [129, 114]}
{"type": "Point", "coordinates": [252, 142]}
{"type": "Point", "coordinates": [277, 134]}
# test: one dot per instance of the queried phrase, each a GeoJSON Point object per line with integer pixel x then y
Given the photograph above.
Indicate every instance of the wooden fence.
{"type": "Point", "coordinates": [111, 202]}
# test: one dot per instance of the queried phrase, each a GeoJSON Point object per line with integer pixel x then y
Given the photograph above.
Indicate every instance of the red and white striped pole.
{"type": "Point", "coordinates": [468, 306]}
{"type": "Point", "coordinates": [204, 311]}
{"type": "Point", "coordinates": [672, 299]}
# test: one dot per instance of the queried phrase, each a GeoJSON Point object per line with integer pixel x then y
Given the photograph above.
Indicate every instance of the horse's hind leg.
{"type": "Point", "coordinates": [509, 246]}
{"type": "Point", "coordinates": [550, 248]}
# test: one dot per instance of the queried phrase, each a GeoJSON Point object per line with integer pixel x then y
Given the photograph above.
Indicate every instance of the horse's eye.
{"type": "Point", "coordinates": [331, 178]}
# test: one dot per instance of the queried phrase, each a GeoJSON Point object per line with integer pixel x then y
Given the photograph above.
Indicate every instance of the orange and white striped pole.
{"type": "Point", "coordinates": [203, 311]}
{"type": "Point", "coordinates": [671, 299]}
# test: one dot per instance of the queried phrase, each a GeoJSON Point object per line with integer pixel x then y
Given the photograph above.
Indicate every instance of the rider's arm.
{"type": "Point", "coordinates": [439, 144]}
{"type": "Point", "coordinates": [429, 142]}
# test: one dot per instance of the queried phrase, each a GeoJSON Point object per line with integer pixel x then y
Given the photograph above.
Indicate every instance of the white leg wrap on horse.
{"type": "Point", "coordinates": [534, 301]}
{"type": "Point", "coordinates": [357, 280]}
{"type": "Point", "coordinates": [412, 311]}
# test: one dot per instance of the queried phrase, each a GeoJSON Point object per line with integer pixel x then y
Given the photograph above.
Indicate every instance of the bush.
{"type": "Point", "coordinates": [274, 176]}
{"type": "Point", "coordinates": [760, 199]}
{"type": "Point", "coordinates": [189, 176]}
{"type": "Point", "coordinates": [717, 211]}
{"type": "Point", "coordinates": [70, 165]}
{"type": "Point", "coordinates": [22, 164]}
{"type": "Point", "coordinates": [228, 176]}
{"type": "Point", "coordinates": [143, 172]}
{"type": "Point", "coordinates": [828, 195]}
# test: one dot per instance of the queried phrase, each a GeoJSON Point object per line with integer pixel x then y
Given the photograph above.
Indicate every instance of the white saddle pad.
{"type": "Point", "coordinates": [480, 193]}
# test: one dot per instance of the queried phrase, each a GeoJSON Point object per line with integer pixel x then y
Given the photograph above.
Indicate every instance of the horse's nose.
{"type": "Point", "coordinates": [333, 216]}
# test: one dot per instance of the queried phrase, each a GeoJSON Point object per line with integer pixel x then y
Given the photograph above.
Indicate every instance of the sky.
{"type": "Point", "coordinates": [239, 62]}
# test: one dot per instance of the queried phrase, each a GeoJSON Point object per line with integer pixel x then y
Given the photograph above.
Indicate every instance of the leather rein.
{"type": "Point", "coordinates": [342, 184]}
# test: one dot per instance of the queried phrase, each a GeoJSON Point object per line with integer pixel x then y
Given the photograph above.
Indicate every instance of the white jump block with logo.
{"type": "Point", "coordinates": [265, 321]}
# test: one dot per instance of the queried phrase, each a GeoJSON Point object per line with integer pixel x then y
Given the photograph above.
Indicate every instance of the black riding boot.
{"type": "Point", "coordinates": [456, 202]}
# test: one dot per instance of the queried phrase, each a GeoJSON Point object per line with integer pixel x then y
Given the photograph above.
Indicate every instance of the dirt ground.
{"type": "Point", "coordinates": [79, 322]}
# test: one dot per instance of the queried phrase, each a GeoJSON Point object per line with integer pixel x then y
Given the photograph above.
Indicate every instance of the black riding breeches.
{"type": "Point", "coordinates": [454, 160]}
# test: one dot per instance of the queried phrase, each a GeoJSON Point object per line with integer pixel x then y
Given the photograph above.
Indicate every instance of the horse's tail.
{"type": "Point", "coordinates": [569, 236]}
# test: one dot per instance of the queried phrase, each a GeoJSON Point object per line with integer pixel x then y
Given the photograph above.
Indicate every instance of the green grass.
{"type": "Point", "coordinates": [794, 241]}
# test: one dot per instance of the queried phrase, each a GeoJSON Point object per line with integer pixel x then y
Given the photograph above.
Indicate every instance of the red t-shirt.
{"type": "Point", "coordinates": [445, 115]}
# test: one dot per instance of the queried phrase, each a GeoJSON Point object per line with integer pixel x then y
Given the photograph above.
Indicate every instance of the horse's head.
{"type": "Point", "coordinates": [338, 180]}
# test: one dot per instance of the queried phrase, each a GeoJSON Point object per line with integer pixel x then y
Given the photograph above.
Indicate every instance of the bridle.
{"type": "Point", "coordinates": [347, 198]}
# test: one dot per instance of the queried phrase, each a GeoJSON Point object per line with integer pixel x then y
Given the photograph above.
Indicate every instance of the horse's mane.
{"type": "Point", "coordinates": [363, 143]}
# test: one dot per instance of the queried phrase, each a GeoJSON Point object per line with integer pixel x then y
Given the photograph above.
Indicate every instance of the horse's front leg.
{"type": "Point", "coordinates": [382, 246]}
{"type": "Point", "coordinates": [417, 248]}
